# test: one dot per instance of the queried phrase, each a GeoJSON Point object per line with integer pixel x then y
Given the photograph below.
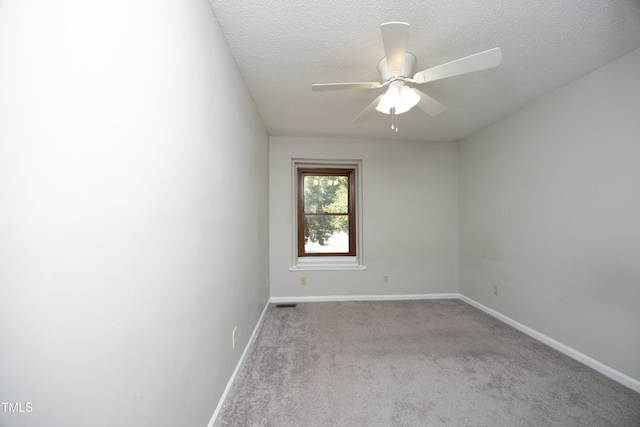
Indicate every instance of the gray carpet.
{"type": "Point", "coordinates": [414, 363]}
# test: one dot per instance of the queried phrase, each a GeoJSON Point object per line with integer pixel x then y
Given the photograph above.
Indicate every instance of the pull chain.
{"type": "Point", "coordinates": [394, 119]}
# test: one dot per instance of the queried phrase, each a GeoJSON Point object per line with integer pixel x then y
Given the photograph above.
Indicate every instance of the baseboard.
{"type": "Point", "coordinates": [279, 300]}
{"type": "Point", "coordinates": [238, 366]}
{"type": "Point", "coordinates": [623, 379]}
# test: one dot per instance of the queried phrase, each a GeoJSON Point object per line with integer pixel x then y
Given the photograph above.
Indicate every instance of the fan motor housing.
{"type": "Point", "coordinates": [408, 67]}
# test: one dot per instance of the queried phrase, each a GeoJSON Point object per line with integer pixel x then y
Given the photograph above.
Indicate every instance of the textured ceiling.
{"type": "Point", "coordinates": [282, 47]}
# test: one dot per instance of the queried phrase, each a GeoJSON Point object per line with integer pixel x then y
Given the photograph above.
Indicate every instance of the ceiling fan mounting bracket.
{"type": "Point", "coordinates": [408, 68]}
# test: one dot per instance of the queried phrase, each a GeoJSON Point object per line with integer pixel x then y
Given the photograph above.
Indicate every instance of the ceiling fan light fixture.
{"type": "Point", "coordinates": [402, 99]}
{"type": "Point", "coordinates": [389, 100]}
{"type": "Point", "coordinates": [408, 99]}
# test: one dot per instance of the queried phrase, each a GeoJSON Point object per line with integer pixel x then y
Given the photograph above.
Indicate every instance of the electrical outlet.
{"type": "Point", "coordinates": [385, 279]}
{"type": "Point", "coordinates": [234, 337]}
{"type": "Point", "coordinates": [267, 283]}
{"type": "Point", "coordinates": [495, 289]}
{"type": "Point", "coordinates": [303, 280]}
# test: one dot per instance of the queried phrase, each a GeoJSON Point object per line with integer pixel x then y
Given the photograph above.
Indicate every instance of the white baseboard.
{"type": "Point", "coordinates": [623, 379]}
{"type": "Point", "coordinates": [238, 366]}
{"type": "Point", "coordinates": [279, 300]}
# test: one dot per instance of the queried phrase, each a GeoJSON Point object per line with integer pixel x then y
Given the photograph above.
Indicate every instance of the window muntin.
{"type": "Point", "coordinates": [326, 212]}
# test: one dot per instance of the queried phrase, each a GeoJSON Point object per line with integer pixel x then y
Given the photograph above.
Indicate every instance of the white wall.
{"type": "Point", "coordinates": [550, 212]}
{"type": "Point", "coordinates": [410, 217]}
{"type": "Point", "coordinates": [133, 222]}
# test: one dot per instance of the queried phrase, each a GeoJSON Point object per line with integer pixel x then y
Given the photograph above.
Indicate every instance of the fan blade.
{"type": "Point", "coordinates": [480, 61]}
{"type": "Point", "coordinates": [429, 105]}
{"type": "Point", "coordinates": [366, 113]}
{"type": "Point", "coordinates": [395, 37]}
{"type": "Point", "coordinates": [339, 86]}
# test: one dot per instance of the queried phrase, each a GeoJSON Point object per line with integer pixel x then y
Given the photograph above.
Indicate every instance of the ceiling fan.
{"type": "Point", "coordinates": [395, 69]}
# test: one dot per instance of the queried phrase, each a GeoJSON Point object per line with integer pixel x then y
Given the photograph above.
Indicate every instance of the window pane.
{"type": "Point", "coordinates": [326, 194]}
{"type": "Point", "coordinates": [323, 234]}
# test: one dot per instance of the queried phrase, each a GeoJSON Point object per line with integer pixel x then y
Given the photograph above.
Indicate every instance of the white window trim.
{"type": "Point", "coordinates": [326, 263]}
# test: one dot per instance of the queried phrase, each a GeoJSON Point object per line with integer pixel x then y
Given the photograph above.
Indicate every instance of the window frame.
{"type": "Point", "coordinates": [350, 173]}
{"type": "Point", "coordinates": [331, 261]}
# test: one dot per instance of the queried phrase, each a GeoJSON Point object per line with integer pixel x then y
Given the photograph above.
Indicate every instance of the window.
{"type": "Point", "coordinates": [326, 212]}
{"type": "Point", "coordinates": [327, 219]}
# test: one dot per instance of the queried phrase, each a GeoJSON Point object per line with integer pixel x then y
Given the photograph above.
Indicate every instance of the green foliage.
{"type": "Point", "coordinates": [325, 194]}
